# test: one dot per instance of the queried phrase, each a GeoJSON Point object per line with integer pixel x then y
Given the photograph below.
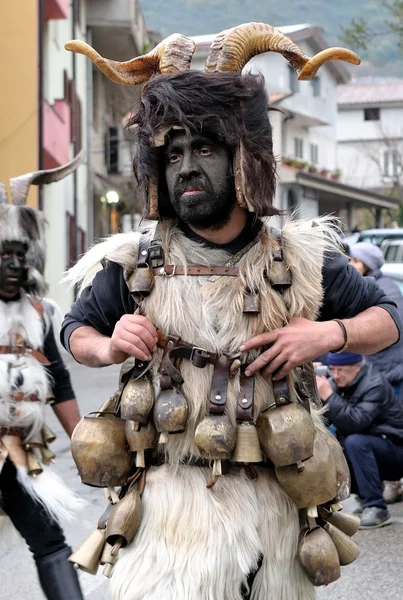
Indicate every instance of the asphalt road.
{"type": "Point", "coordinates": [376, 575]}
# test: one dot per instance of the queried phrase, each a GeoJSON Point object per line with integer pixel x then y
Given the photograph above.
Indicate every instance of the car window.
{"type": "Point", "coordinates": [372, 239]}
{"type": "Point", "coordinates": [391, 254]}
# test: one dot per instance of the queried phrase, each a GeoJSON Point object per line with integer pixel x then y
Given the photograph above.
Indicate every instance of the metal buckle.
{"type": "Point", "coordinates": [198, 349]}
{"type": "Point", "coordinates": [167, 275]}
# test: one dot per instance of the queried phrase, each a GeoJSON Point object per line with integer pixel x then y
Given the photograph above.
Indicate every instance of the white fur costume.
{"type": "Point", "coordinates": [25, 375]}
{"type": "Point", "coordinates": [196, 543]}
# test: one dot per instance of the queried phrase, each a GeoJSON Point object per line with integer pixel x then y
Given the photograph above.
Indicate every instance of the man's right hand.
{"type": "Point", "coordinates": [134, 335]}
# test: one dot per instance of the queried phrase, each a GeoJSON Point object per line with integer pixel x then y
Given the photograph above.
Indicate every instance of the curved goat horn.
{"type": "Point", "coordinates": [19, 186]}
{"type": "Point", "coordinates": [170, 56]}
{"type": "Point", "coordinates": [233, 48]}
{"type": "Point", "coordinates": [3, 194]}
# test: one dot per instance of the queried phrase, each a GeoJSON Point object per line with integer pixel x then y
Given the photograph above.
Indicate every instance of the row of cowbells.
{"type": "Point", "coordinates": [103, 545]}
{"type": "Point", "coordinates": [326, 547]}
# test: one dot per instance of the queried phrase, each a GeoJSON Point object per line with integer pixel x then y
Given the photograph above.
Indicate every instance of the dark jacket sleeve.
{"type": "Point", "coordinates": [60, 378]}
{"type": "Point", "coordinates": [349, 417]}
{"type": "Point", "coordinates": [100, 305]}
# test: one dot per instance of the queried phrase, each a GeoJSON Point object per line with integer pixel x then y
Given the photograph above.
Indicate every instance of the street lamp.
{"type": "Point", "coordinates": [112, 198]}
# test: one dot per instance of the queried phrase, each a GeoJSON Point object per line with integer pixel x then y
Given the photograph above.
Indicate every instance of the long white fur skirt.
{"type": "Point", "coordinates": [196, 543]}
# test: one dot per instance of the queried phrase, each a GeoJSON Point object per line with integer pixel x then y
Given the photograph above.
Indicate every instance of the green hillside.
{"type": "Point", "coordinates": [194, 17]}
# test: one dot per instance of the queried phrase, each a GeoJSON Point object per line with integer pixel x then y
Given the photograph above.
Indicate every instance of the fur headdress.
{"type": "Point", "coordinates": [221, 100]}
{"type": "Point", "coordinates": [21, 223]}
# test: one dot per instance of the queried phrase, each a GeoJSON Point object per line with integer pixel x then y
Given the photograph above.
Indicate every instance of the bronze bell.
{"type": "Point", "coordinates": [342, 470]}
{"type": "Point", "coordinates": [247, 447]}
{"type": "Point", "coordinates": [124, 520]}
{"type": "Point", "coordinates": [140, 439]}
{"type": "Point", "coordinates": [35, 441]}
{"type": "Point", "coordinates": [313, 481]}
{"type": "Point", "coordinates": [347, 549]}
{"type": "Point", "coordinates": [47, 434]}
{"type": "Point", "coordinates": [142, 280]}
{"type": "Point", "coordinates": [286, 434]}
{"type": "Point", "coordinates": [137, 400]}
{"type": "Point", "coordinates": [47, 456]}
{"type": "Point", "coordinates": [88, 555]}
{"type": "Point", "coordinates": [348, 524]}
{"type": "Point", "coordinates": [34, 466]}
{"type": "Point", "coordinates": [251, 302]}
{"type": "Point", "coordinates": [318, 556]}
{"type": "Point", "coordinates": [215, 437]}
{"type": "Point", "coordinates": [100, 450]}
{"type": "Point", "coordinates": [170, 412]}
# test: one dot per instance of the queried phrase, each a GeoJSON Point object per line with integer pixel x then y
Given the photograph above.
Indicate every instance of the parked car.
{"type": "Point", "coordinates": [393, 251]}
{"type": "Point", "coordinates": [378, 236]}
{"type": "Point", "coordinates": [395, 272]}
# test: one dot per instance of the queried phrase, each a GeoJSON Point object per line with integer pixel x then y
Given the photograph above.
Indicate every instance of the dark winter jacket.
{"type": "Point", "coordinates": [389, 361]}
{"type": "Point", "coordinates": [367, 405]}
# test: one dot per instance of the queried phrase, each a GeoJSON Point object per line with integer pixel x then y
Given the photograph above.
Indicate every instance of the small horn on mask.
{"type": "Point", "coordinates": [233, 48]}
{"type": "Point", "coordinates": [172, 55]}
{"type": "Point", "coordinates": [3, 194]}
{"type": "Point", "coordinates": [19, 186]}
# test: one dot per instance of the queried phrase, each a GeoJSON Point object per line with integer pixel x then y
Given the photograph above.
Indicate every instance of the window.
{"type": "Point", "coordinates": [314, 153]}
{"type": "Point", "coordinates": [299, 148]}
{"type": "Point", "coordinates": [315, 83]}
{"type": "Point", "coordinates": [392, 163]}
{"type": "Point", "coordinates": [371, 114]}
{"type": "Point", "coordinates": [293, 80]}
{"type": "Point", "coordinates": [112, 150]}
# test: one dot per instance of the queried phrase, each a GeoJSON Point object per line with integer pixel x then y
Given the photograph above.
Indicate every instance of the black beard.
{"type": "Point", "coordinates": [209, 210]}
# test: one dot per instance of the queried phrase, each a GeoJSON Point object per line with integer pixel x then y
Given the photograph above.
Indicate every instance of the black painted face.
{"type": "Point", "coordinates": [200, 185]}
{"type": "Point", "coordinates": [13, 271]}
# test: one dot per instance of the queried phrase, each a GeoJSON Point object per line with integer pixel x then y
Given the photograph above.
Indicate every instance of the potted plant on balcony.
{"type": "Point", "coordinates": [336, 175]}
{"type": "Point", "coordinates": [324, 172]}
{"type": "Point", "coordinates": [312, 169]}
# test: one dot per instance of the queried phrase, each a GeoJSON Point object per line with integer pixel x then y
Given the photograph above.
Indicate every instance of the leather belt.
{"type": "Point", "coordinates": [15, 431]}
{"type": "Point", "coordinates": [21, 350]}
{"type": "Point", "coordinates": [171, 270]}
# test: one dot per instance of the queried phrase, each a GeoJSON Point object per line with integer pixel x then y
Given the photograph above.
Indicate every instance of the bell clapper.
{"type": "Point", "coordinates": [108, 570]}
{"type": "Point", "coordinates": [163, 439]}
{"type": "Point", "coordinates": [111, 495]}
{"type": "Point", "coordinates": [300, 466]}
{"type": "Point", "coordinates": [336, 507]}
{"type": "Point", "coordinates": [217, 470]}
{"type": "Point", "coordinates": [312, 512]}
{"type": "Point", "coordinates": [135, 425]}
{"type": "Point", "coordinates": [140, 462]}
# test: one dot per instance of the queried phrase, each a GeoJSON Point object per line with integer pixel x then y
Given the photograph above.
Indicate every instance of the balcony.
{"type": "Point", "coordinates": [56, 9]}
{"type": "Point", "coordinates": [118, 28]}
{"type": "Point", "coordinates": [56, 134]}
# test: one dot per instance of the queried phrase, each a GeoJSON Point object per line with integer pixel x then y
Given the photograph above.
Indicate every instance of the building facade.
{"type": "Point", "coordinates": [370, 135]}
{"type": "Point", "coordinates": [310, 181]}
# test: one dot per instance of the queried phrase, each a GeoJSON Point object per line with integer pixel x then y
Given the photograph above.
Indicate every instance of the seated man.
{"type": "Point", "coordinates": [369, 422]}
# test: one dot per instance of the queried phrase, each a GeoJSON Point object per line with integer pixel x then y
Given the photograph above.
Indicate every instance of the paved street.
{"type": "Point", "coordinates": [376, 575]}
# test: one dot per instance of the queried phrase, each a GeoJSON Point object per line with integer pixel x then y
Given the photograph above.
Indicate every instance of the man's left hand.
{"type": "Point", "coordinates": [292, 346]}
{"type": "Point", "coordinates": [324, 388]}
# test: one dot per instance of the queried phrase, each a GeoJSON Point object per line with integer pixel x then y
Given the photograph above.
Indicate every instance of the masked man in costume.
{"type": "Point", "coordinates": [32, 373]}
{"type": "Point", "coordinates": [216, 316]}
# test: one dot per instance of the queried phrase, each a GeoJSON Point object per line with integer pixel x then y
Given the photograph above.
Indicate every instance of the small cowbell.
{"type": "Point", "coordinates": [88, 555]}
{"type": "Point", "coordinates": [137, 400]}
{"type": "Point", "coordinates": [247, 447]}
{"type": "Point", "coordinates": [142, 281]}
{"type": "Point", "coordinates": [342, 470]}
{"type": "Point", "coordinates": [318, 556]}
{"type": "Point", "coordinates": [347, 523]}
{"type": "Point", "coordinates": [347, 549]}
{"type": "Point", "coordinates": [286, 434]}
{"type": "Point", "coordinates": [47, 434]}
{"type": "Point", "coordinates": [170, 413]}
{"type": "Point", "coordinates": [34, 466]}
{"type": "Point", "coordinates": [48, 456]}
{"type": "Point", "coordinates": [215, 437]}
{"type": "Point", "coordinates": [251, 302]}
{"type": "Point", "coordinates": [140, 438]}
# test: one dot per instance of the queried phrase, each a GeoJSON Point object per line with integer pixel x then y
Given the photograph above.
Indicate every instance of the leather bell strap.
{"type": "Point", "coordinates": [21, 350]}
{"type": "Point", "coordinates": [219, 385]}
{"type": "Point", "coordinates": [175, 348]}
{"type": "Point", "coordinates": [171, 270]}
{"type": "Point", "coordinates": [15, 431]}
{"type": "Point", "coordinates": [244, 410]}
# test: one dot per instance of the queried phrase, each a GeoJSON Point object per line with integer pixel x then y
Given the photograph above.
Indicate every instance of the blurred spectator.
{"type": "Point", "coordinates": [369, 423]}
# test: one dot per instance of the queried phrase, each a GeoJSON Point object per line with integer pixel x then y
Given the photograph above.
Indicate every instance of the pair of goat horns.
{"type": "Point", "coordinates": [19, 186]}
{"type": "Point", "coordinates": [230, 51]}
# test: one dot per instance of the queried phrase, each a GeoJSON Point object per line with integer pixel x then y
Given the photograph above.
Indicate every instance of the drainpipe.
{"type": "Point", "coordinates": [41, 25]}
{"type": "Point", "coordinates": [74, 75]}
{"type": "Point", "coordinates": [90, 118]}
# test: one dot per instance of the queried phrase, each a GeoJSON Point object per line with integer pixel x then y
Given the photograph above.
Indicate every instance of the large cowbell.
{"type": "Point", "coordinates": [137, 400]}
